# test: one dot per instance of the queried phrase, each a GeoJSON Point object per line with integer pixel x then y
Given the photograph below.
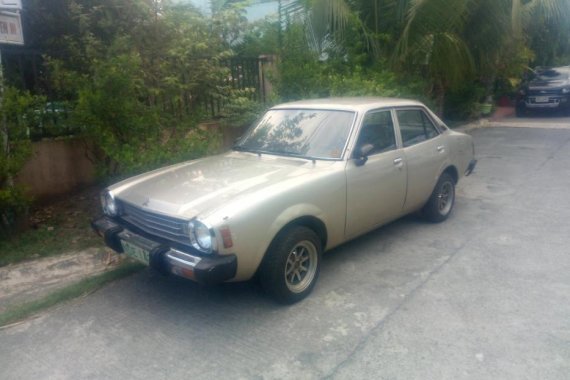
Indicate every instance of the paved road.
{"type": "Point", "coordinates": [483, 296]}
{"type": "Point", "coordinates": [537, 120]}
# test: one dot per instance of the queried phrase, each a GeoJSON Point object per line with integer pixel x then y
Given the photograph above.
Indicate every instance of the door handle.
{"type": "Point", "coordinates": [441, 148]}
{"type": "Point", "coordinates": [398, 161]}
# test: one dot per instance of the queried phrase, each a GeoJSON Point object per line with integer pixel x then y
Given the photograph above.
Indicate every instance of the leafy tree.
{"type": "Point", "coordinates": [138, 73]}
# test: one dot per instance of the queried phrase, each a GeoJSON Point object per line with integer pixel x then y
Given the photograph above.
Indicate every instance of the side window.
{"type": "Point", "coordinates": [378, 130]}
{"type": "Point", "coordinates": [415, 127]}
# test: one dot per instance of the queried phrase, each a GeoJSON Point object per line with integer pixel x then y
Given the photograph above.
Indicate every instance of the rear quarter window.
{"type": "Point", "coordinates": [415, 126]}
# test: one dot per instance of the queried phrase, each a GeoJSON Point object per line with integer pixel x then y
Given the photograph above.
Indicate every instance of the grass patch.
{"type": "Point", "coordinates": [59, 227]}
{"type": "Point", "coordinates": [70, 292]}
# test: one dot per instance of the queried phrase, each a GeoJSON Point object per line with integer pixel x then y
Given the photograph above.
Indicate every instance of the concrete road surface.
{"type": "Point", "coordinates": [485, 295]}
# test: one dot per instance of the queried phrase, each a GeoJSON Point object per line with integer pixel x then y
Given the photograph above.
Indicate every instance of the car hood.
{"type": "Point", "coordinates": [191, 188]}
{"type": "Point", "coordinates": [538, 84]}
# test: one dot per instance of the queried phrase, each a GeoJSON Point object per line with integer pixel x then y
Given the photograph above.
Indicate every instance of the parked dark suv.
{"type": "Point", "coordinates": [548, 89]}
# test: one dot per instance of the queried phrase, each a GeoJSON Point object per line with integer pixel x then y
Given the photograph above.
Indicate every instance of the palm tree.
{"type": "Point", "coordinates": [449, 41]}
{"type": "Point", "coordinates": [433, 42]}
{"type": "Point", "coordinates": [322, 18]}
{"type": "Point", "coordinates": [453, 39]}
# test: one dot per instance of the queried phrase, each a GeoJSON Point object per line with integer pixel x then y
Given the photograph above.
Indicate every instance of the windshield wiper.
{"type": "Point", "coordinates": [239, 148]}
{"type": "Point", "coordinates": [289, 154]}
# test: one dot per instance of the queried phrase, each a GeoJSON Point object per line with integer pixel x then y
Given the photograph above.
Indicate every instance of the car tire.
{"type": "Point", "coordinates": [441, 201]}
{"type": "Point", "coordinates": [291, 265]}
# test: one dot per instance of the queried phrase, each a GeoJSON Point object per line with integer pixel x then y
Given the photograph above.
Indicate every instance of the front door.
{"type": "Point", "coordinates": [375, 190]}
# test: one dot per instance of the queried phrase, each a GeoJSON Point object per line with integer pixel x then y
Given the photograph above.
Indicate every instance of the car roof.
{"type": "Point", "coordinates": [562, 69]}
{"type": "Point", "coordinates": [356, 104]}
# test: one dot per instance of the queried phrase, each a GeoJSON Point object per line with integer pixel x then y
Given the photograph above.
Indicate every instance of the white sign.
{"type": "Point", "coordinates": [11, 4]}
{"type": "Point", "coordinates": [11, 28]}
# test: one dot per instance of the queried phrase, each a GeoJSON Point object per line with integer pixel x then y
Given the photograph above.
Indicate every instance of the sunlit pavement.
{"type": "Point", "coordinates": [481, 296]}
{"type": "Point", "coordinates": [537, 119]}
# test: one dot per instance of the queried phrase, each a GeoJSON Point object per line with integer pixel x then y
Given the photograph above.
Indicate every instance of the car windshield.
{"type": "Point", "coordinates": [553, 75]}
{"type": "Point", "coordinates": [307, 133]}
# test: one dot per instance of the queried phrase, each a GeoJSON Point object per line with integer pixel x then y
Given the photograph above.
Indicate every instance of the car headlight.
{"type": "Point", "coordinates": [566, 90]}
{"type": "Point", "coordinates": [109, 204]}
{"type": "Point", "coordinates": [201, 236]}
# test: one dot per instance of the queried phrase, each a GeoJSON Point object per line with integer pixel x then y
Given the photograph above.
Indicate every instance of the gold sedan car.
{"type": "Point", "coordinates": [309, 176]}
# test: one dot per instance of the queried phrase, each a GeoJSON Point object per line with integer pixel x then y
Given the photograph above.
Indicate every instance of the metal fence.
{"type": "Point", "coordinates": [245, 74]}
{"type": "Point", "coordinates": [26, 69]}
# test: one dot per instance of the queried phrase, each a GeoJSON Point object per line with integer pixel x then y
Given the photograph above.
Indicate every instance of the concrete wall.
{"type": "Point", "coordinates": [57, 167]}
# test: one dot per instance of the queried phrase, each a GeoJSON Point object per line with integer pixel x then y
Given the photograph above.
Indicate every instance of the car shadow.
{"type": "Point", "coordinates": [546, 114]}
{"type": "Point", "coordinates": [174, 294]}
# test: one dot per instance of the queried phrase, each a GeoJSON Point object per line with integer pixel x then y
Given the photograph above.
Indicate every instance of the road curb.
{"type": "Point", "coordinates": [32, 280]}
{"type": "Point", "coordinates": [17, 312]}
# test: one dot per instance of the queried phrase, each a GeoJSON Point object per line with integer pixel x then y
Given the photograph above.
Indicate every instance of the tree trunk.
{"type": "Point", "coordinates": [439, 94]}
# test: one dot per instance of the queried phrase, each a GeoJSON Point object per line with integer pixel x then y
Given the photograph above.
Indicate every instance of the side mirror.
{"type": "Point", "coordinates": [361, 154]}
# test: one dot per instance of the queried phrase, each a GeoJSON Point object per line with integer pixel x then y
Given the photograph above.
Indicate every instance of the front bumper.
{"type": "Point", "coordinates": [202, 269]}
{"type": "Point", "coordinates": [470, 167]}
{"type": "Point", "coordinates": [546, 101]}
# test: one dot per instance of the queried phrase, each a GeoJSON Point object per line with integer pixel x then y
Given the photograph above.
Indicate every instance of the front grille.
{"type": "Point", "coordinates": [547, 92]}
{"type": "Point", "coordinates": [551, 100]}
{"type": "Point", "coordinates": [163, 226]}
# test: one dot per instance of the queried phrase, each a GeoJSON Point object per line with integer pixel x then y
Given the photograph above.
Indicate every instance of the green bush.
{"type": "Point", "coordinates": [463, 103]}
{"type": "Point", "coordinates": [131, 134]}
{"type": "Point", "coordinates": [18, 111]}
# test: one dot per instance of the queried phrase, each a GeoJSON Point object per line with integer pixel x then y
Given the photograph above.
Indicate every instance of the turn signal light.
{"type": "Point", "coordinates": [226, 237]}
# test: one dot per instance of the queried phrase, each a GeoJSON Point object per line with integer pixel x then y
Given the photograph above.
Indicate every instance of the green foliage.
{"type": "Point", "coordinates": [132, 135]}
{"type": "Point", "coordinates": [240, 109]}
{"type": "Point", "coordinates": [301, 73]}
{"type": "Point", "coordinates": [463, 102]}
{"type": "Point", "coordinates": [139, 82]}
{"type": "Point", "coordinates": [376, 82]}
{"type": "Point", "coordinates": [14, 204]}
{"type": "Point", "coordinates": [259, 38]}
{"type": "Point", "coordinates": [340, 71]}
{"type": "Point", "coordinates": [448, 43]}
{"type": "Point", "coordinates": [18, 111]}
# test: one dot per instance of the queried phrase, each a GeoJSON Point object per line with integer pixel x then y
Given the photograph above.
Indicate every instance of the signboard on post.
{"type": "Point", "coordinates": [11, 28]}
{"type": "Point", "coordinates": [11, 4]}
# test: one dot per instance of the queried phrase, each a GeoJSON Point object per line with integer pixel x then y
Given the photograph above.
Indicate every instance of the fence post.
{"type": "Point", "coordinates": [267, 65]}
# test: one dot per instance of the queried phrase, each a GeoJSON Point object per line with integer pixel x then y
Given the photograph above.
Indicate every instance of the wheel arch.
{"type": "Point", "coordinates": [311, 222]}
{"type": "Point", "coordinates": [452, 171]}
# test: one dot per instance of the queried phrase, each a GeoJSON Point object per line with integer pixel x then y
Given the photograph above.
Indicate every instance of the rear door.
{"type": "Point", "coordinates": [375, 190]}
{"type": "Point", "coordinates": [425, 153]}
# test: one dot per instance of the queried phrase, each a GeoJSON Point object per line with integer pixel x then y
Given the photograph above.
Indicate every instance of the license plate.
{"type": "Point", "coordinates": [135, 252]}
{"type": "Point", "coordinates": [541, 99]}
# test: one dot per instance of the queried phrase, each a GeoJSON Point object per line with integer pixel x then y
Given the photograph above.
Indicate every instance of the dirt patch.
{"type": "Point", "coordinates": [60, 226]}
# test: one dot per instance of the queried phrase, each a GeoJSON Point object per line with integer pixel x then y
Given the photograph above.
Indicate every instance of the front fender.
{"type": "Point", "coordinates": [287, 216]}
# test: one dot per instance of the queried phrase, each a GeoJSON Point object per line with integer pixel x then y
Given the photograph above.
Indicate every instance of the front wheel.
{"type": "Point", "coordinates": [291, 266]}
{"type": "Point", "coordinates": [441, 202]}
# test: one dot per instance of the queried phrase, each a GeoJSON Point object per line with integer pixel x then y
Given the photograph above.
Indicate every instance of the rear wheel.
{"type": "Point", "coordinates": [441, 202]}
{"type": "Point", "coordinates": [291, 266]}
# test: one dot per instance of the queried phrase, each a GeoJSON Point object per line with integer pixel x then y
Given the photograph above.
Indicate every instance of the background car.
{"type": "Point", "coordinates": [307, 177]}
{"type": "Point", "coordinates": [548, 89]}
